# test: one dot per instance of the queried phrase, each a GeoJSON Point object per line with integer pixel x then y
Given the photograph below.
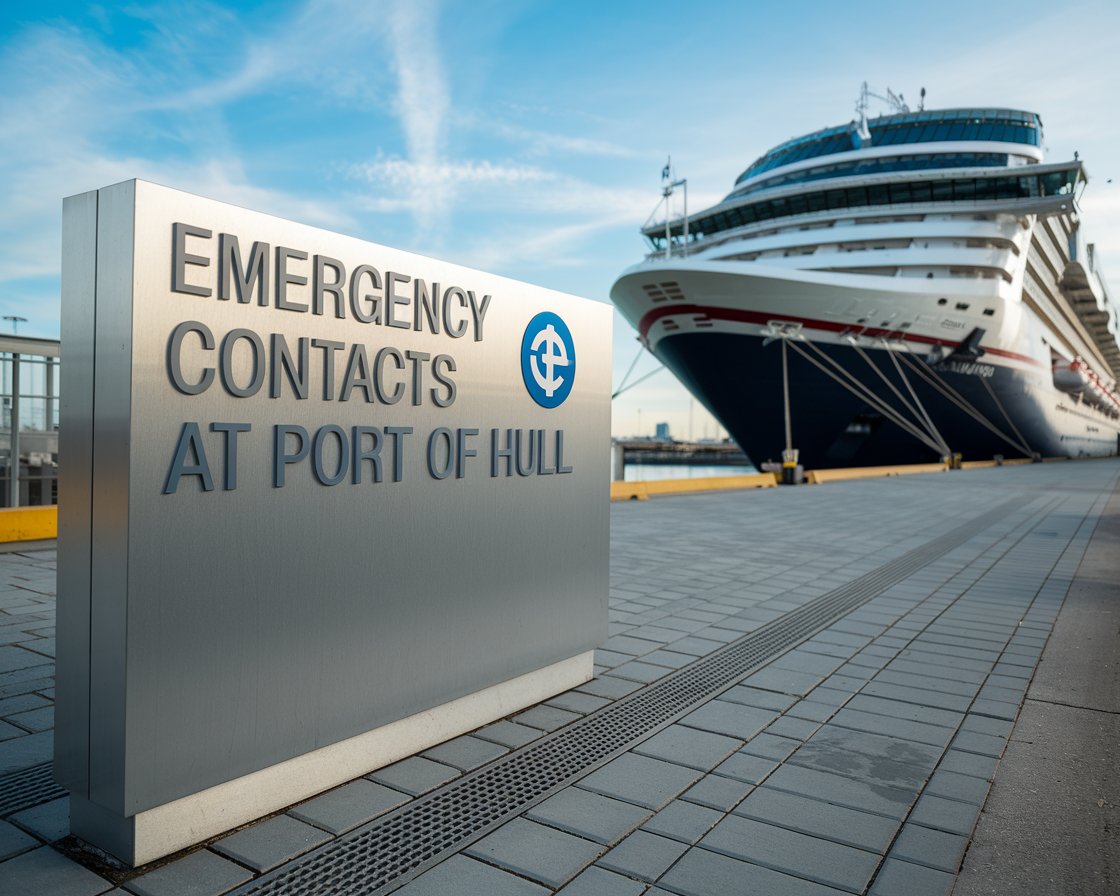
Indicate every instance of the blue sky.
{"type": "Point", "coordinates": [523, 138]}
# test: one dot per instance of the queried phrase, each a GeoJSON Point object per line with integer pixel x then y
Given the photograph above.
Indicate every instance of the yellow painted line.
{"type": "Point", "coordinates": [28, 523]}
{"type": "Point", "coordinates": [978, 464]}
{"type": "Point", "coordinates": [642, 491]}
{"type": "Point", "coordinates": [816, 477]}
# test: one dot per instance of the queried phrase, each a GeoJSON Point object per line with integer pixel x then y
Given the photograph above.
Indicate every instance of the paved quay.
{"type": "Point", "coordinates": [805, 691]}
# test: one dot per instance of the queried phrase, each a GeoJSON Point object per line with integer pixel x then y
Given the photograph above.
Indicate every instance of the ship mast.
{"type": "Point", "coordinates": [667, 186]}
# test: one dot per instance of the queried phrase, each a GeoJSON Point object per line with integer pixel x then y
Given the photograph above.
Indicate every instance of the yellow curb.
{"type": "Point", "coordinates": [28, 523]}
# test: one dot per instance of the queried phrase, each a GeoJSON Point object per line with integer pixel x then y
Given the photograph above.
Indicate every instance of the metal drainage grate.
{"type": "Point", "coordinates": [389, 851]}
{"type": "Point", "coordinates": [27, 788]}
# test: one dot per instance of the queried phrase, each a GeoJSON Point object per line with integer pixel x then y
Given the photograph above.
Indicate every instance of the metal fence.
{"type": "Point", "coordinates": [28, 421]}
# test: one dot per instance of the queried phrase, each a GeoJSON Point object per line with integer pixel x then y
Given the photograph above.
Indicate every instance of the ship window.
{"type": "Point", "coordinates": [962, 306]}
{"type": "Point", "coordinates": [989, 311]}
{"type": "Point", "coordinates": [942, 301]}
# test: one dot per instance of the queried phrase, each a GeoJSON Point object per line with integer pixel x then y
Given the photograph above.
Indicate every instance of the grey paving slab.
{"type": "Point", "coordinates": [14, 841]}
{"type": "Point", "coordinates": [639, 671]}
{"type": "Point", "coordinates": [348, 806]}
{"type": "Point", "coordinates": [955, 786]}
{"type": "Point", "coordinates": [717, 792]}
{"type": "Point", "coordinates": [904, 729]}
{"type": "Point", "coordinates": [926, 846]}
{"type": "Point", "coordinates": [641, 780]}
{"type": "Point", "coordinates": [898, 878]}
{"type": "Point", "coordinates": [595, 881]}
{"type": "Point", "coordinates": [463, 876]}
{"type": "Point", "coordinates": [509, 734]}
{"type": "Point", "coordinates": [883, 760]}
{"type": "Point", "coordinates": [684, 821]}
{"type": "Point", "coordinates": [790, 726]}
{"type": "Point", "coordinates": [746, 767]}
{"type": "Point", "coordinates": [468, 752]}
{"type": "Point", "coordinates": [8, 730]}
{"type": "Point", "coordinates": [23, 752]}
{"type": "Point", "coordinates": [692, 747]}
{"type": "Point", "coordinates": [759, 698]}
{"type": "Point", "coordinates": [811, 710]}
{"type": "Point", "coordinates": [784, 681]}
{"type": "Point", "coordinates": [823, 861]}
{"type": "Point", "coordinates": [643, 855]}
{"type": "Point", "coordinates": [732, 719]}
{"type": "Point", "coordinates": [43, 871]}
{"type": "Point", "coordinates": [897, 709]}
{"type": "Point", "coordinates": [987, 725]}
{"type": "Point", "coordinates": [854, 793]}
{"type": "Point", "coordinates": [700, 872]}
{"type": "Point", "coordinates": [415, 775]}
{"type": "Point", "coordinates": [549, 718]}
{"type": "Point", "coordinates": [953, 816]}
{"type": "Point", "coordinates": [574, 701]}
{"type": "Point", "coordinates": [819, 819]}
{"type": "Point", "coordinates": [807, 661]}
{"type": "Point", "coordinates": [541, 853]}
{"type": "Point", "coordinates": [604, 686]}
{"type": "Point", "coordinates": [696, 646]}
{"type": "Point", "coordinates": [969, 764]}
{"type": "Point", "coordinates": [41, 719]}
{"type": "Point", "coordinates": [201, 873]}
{"type": "Point", "coordinates": [21, 703]}
{"type": "Point", "coordinates": [669, 658]}
{"type": "Point", "coordinates": [13, 657]}
{"type": "Point", "coordinates": [589, 815]}
{"type": "Point", "coordinates": [49, 821]}
{"type": "Point", "coordinates": [270, 843]}
{"type": "Point", "coordinates": [984, 744]}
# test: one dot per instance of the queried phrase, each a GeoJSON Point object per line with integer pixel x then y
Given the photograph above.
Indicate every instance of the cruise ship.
{"type": "Point", "coordinates": [898, 289]}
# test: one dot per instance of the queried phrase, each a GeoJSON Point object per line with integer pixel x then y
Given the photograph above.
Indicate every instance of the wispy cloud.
{"type": "Point", "coordinates": [540, 143]}
{"type": "Point", "coordinates": [422, 104]}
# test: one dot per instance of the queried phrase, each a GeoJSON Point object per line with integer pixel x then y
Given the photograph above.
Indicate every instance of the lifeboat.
{"type": "Point", "coordinates": [1071, 376]}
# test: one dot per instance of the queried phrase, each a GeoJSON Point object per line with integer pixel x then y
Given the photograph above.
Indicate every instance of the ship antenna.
{"type": "Point", "coordinates": [861, 105]}
{"type": "Point", "coordinates": [922, 101]}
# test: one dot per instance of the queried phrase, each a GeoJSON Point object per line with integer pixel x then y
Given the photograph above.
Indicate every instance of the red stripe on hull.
{"type": "Point", "coordinates": [738, 315]}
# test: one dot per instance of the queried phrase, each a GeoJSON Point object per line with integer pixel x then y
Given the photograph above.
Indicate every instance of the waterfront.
{"type": "Point", "coordinates": [656, 472]}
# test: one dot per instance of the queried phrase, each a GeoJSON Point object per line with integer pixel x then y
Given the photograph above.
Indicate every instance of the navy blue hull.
{"type": "Point", "coordinates": [740, 382]}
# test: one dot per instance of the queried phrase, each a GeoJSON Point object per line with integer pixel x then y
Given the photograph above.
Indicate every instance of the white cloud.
{"type": "Point", "coordinates": [415, 176]}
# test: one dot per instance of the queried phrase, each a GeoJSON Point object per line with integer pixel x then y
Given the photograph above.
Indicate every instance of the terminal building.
{"type": "Point", "coordinates": [28, 421]}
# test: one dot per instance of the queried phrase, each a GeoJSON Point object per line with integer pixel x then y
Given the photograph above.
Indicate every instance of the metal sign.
{"type": "Point", "coordinates": [313, 491]}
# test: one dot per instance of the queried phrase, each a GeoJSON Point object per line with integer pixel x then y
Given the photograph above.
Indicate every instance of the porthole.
{"type": "Point", "coordinates": [942, 301]}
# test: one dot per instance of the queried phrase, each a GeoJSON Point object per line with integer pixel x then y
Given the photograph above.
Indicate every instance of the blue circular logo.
{"type": "Point", "coordinates": [548, 360]}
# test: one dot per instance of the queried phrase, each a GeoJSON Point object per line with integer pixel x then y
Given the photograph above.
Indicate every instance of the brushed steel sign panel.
{"type": "Point", "coordinates": [319, 493]}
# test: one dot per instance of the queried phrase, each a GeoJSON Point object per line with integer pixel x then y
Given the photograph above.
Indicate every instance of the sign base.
{"type": "Point", "coordinates": [155, 833]}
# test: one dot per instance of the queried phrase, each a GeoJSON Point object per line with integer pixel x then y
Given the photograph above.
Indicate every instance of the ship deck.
{"type": "Point", "coordinates": [889, 686]}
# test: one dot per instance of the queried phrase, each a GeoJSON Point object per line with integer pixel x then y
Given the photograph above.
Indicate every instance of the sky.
{"type": "Point", "coordinates": [521, 138]}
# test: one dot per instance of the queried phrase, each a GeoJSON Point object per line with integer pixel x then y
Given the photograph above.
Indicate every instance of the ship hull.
{"type": "Point", "coordinates": [739, 380]}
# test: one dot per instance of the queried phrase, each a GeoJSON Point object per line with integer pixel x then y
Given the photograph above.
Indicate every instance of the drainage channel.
{"type": "Point", "coordinates": [28, 788]}
{"type": "Point", "coordinates": [388, 852]}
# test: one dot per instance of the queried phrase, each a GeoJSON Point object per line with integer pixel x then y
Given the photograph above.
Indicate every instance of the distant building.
{"type": "Point", "coordinates": [662, 433]}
